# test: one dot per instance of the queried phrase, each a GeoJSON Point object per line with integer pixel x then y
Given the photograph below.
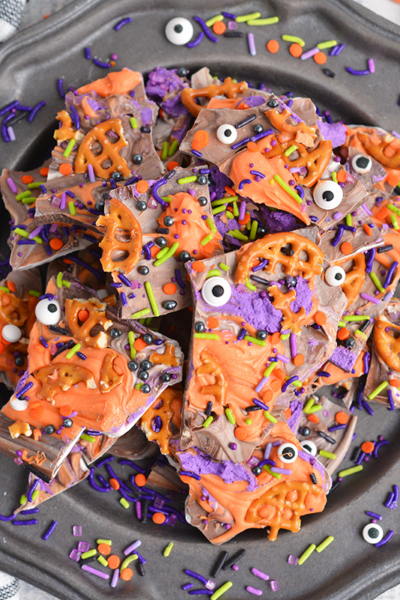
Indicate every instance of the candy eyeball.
{"type": "Point", "coordinates": [361, 164]}
{"type": "Point", "coordinates": [11, 333]}
{"type": "Point", "coordinates": [18, 405]}
{"type": "Point", "coordinates": [309, 446]}
{"type": "Point", "coordinates": [216, 291]}
{"type": "Point", "coordinates": [287, 452]}
{"type": "Point", "coordinates": [179, 31]}
{"type": "Point", "coordinates": [328, 194]}
{"type": "Point", "coordinates": [335, 276]}
{"type": "Point", "coordinates": [372, 533]}
{"type": "Point", "coordinates": [226, 134]}
{"type": "Point", "coordinates": [48, 312]}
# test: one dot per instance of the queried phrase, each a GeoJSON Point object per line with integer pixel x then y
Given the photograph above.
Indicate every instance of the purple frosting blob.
{"type": "Point", "coordinates": [223, 228]}
{"type": "Point", "coordinates": [201, 464]}
{"type": "Point", "coordinates": [254, 309]}
{"type": "Point", "coordinates": [277, 221]}
{"type": "Point", "coordinates": [296, 406]}
{"type": "Point", "coordinates": [253, 101]}
{"type": "Point", "coordinates": [303, 297]}
{"type": "Point", "coordinates": [218, 182]}
{"type": "Point", "coordinates": [343, 358]}
{"type": "Point", "coordinates": [336, 132]}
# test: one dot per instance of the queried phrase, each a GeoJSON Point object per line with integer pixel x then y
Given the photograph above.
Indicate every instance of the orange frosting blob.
{"type": "Point", "coordinates": [119, 82]}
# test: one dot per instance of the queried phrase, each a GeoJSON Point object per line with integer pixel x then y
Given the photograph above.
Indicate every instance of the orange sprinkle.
{"type": "Point", "coordinates": [313, 419]}
{"type": "Point", "coordinates": [142, 186]}
{"type": "Point", "coordinates": [55, 244]}
{"type": "Point", "coordinates": [368, 447]}
{"type": "Point", "coordinates": [252, 147]}
{"type": "Point", "coordinates": [65, 169]}
{"type": "Point", "coordinates": [394, 382]}
{"type": "Point", "coordinates": [240, 433]}
{"type": "Point", "coordinates": [159, 518]}
{"type": "Point", "coordinates": [298, 360]}
{"type": "Point", "coordinates": [200, 139]}
{"type": "Point", "coordinates": [65, 410]}
{"type": "Point", "coordinates": [341, 417]}
{"type": "Point", "coordinates": [273, 46]}
{"type": "Point", "coordinates": [230, 190]}
{"type": "Point", "coordinates": [367, 229]}
{"type": "Point", "coordinates": [245, 220]}
{"type": "Point", "coordinates": [243, 106]}
{"type": "Point", "coordinates": [11, 286]}
{"type": "Point", "coordinates": [169, 289]}
{"type": "Point", "coordinates": [279, 374]}
{"type": "Point", "coordinates": [172, 164]}
{"type": "Point", "coordinates": [275, 385]}
{"type": "Point", "coordinates": [212, 323]}
{"type": "Point", "coordinates": [392, 179]}
{"type": "Point", "coordinates": [114, 483]}
{"type": "Point", "coordinates": [382, 213]}
{"type": "Point", "coordinates": [27, 179]}
{"type": "Point", "coordinates": [295, 50]}
{"type": "Point", "coordinates": [287, 413]}
{"type": "Point", "coordinates": [112, 63]}
{"type": "Point", "coordinates": [139, 344]}
{"type": "Point", "coordinates": [83, 315]}
{"type": "Point", "coordinates": [126, 574]}
{"type": "Point", "coordinates": [320, 318]}
{"type": "Point", "coordinates": [113, 561]}
{"type": "Point", "coordinates": [140, 479]}
{"type": "Point", "coordinates": [37, 413]}
{"type": "Point", "coordinates": [219, 27]}
{"type": "Point", "coordinates": [198, 266]}
{"type": "Point", "coordinates": [267, 396]}
{"type": "Point", "coordinates": [346, 248]}
{"type": "Point", "coordinates": [44, 171]}
{"type": "Point", "coordinates": [341, 176]}
{"type": "Point", "coordinates": [67, 261]}
{"type": "Point", "coordinates": [275, 339]}
{"type": "Point", "coordinates": [104, 549]}
{"type": "Point", "coordinates": [320, 58]}
{"type": "Point", "coordinates": [343, 334]}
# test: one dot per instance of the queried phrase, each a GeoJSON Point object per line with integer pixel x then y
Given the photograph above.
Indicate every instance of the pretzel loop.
{"type": "Point", "coordinates": [65, 132]}
{"type": "Point", "coordinates": [60, 377]}
{"type": "Point", "coordinates": [210, 366]}
{"type": "Point", "coordinates": [96, 320]}
{"type": "Point", "coordinates": [13, 310]}
{"type": "Point", "coordinates": [228, 89]}
{"type": "Point", "coordinates": [387, 345]}
{"type": "Point", "coordinates": [281, 122]}
{"type": "Point", "coordinates": [165, 412]}
{"type": "Point", "coordinates": [354, 279]}
{"type": "Point", "coordinates": [382, 152]}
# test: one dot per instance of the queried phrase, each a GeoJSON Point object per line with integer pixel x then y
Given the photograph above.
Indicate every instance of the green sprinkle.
{"type": "Point", "coordinates": [68, 149]}
{"type": "Point", "coordinates": [101, 541]}
{"type": "Point", "coordinates": [208, 421]}
{"type": "Point", "coordinates": [59, 279]}
{"type": "Point", "coordinates": [356, 318]}
{"type": "Point", "coordinates": [212, 273]}
{"type": "Point", "coordinates": [224, 201]}
{"type": "Point", "coordinates": [342, 324]}
{"type": "Point", "coordinates": [211, 225]}
{"type": "Point", "coordinates": [323, 46]}
{"type": "Point", "coordinates": [349, 220]}
{"type": "Point", "coordinates": [294, 39]}
{"type": "Point", "coordinates": [29, 200]}
{"type": "Point", "coordinates": [167, 549]}
{"type": "Point", "coordinates": [206, 336]}
{"type": "Point", "coordinates": [314, 408]}
{"type": "Point", "coordinates": [167, 255]}
{"type": "Point", "coordinates": [164, 151]}
{"type": "Point", "coordinates": [327, 454]}
{"type": "Point", "coordinates": [66, 284]}
{"type": "Point", "coordinates": [229, 215]}
{"type": "Point", "coordinates": [72, 208]}
{"type": "Point", "coordinates": [394, 208]}
{"type": "Point", "coordinates": [152, 298]}
{"type": "Point", "coordinates": [138, 386]}
{"type": "Point", "coordinates": [360, 333]}
{"type": "Point", "coordinates": [249, 285]}
{"type": "Point", "coordinates": [229, 416]}
{"type": "Point", "coordinates": [140, 313]}
{"type": "Point", "coordinates": [378, 390]}
{"type": "Point", "coordinates": [173, 148]}
{"type": "Point", "coordinates": [308, 405]}
{"type": "Point", "coordinates": [128, 561]}
{"type": "Point", "coordinates": [224, 588]}
{"type": "Point", "coordinates": [147, 321]}
{"type": "Point", "coordinates": [268, 415]}
{"type": "Point", "coordinates": [34, 293]}
{"type": "Point", "coordinates": [89, 553]}
{"type": "Point", "coordinates": [253, 230]}
{"type": "Point", "coordinates": [288, 189]}
{"type": "Point", "coordinates": [334, 177]}
{"type": "Point", "coordinates": [167, 198]}
{"type": "Point", "coordinates": [21, 232]}
{"type": "Point", "coordinates": [350, 471]}
{"type": "Point", "coordinates": [206, 239]}
{"type": "Point", "coordinates": [35, 494]}
{"type": "Point", "coordinates": [249, 17]}
{"type": "Point", "coordinates": [5, 289]}
{"type": "Point", "coordinates": [218, 210]}
{"type": "Point", "coordinates": [22, 195]}
{"type": "Point", "coordinates": [124, 503]}
{"type": "Point", "coordinates": [325, 543]}
{"type": "Point", "coordinates": [238, 235]}
{"type": "Point", "coordinates": [102, 561]}
{"type": "Point", "coordinates": [73, 351]}
{"type": "Point", "coordinates": [377, 283]}
{"type": "Point", "coordinates": [248, 421]}
{"type": "Point", "coordinates": [393, 218]}
{"type": "Point", "coordinates": [88, 438]}
{"type": "Point", "coordinates": [131, 340]}
{"type": "Point", "coordinates": [269, 369]}
{"type": "Point", "coordinates": [213, 20]}
{"type": "Point", "coordinates": [306, 554]}
{"type": "Point", "coordinates": [235, 209]}
{"type": "Point", "coordinates": [253, 340]}
{"type": "Point", "coordinates": [190, 179]}
{"type": "Point", "coordinates": [23, 499]}
{"type": "Point", "coordinates": [133, 122]}
{"type": "Point", "coordinates": [290, 150]}
{"type": "Point", "coordinates": [162, 252]}
{"type": "Point", "coordinates": [268, 469]}
{"type": "Point", "coordinates": [285, 336]}
{"type": "Point", "coordinates": [223, 267]}
{"type": "Point", "coordinates": [270, 21]}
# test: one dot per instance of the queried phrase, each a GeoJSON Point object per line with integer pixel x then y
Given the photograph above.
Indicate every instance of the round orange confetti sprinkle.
{"type": "Point", "coordinates": [212, 323]}
{"type": "Point", "coordinates": [169, 289]}
{"type": "Point", "coordinates": [140, 480]}
{"type": "Point", "coordinates": [198, 266]}
{"type": "Point", "coordinates": [114, 483]}
{"type": "Point", "coordinates": [243, 106]}
{"type": "Point", "coordinates": [346, 248]}
{"type": "Point", "coordinates": [276, 338]}
{"type": "Point", "coordinates": [395, 382]}
{"type": "Point", "coordinates": [392, 179]}
{"type": "Point", "coordinates": [295, 50]}
{"type": "Point", "coordinates": [341, 417]}
{"type": "Point", "coordinates": [341, 176]}
{"type": "Point", "coordinates": [298, 360]}
{"type": "Point", "coordinates": [44, 171]}
{"type": "Point", "coordinates": [159, 518]}
{"type": "Point", "coordinates": [55, 243]}
{"type": "Point", "coordinates": [126, 574]}
{"type": "Point", "coordinates": [172, 164]}
{"type": "Point", "coordinates": [240, 433]}
{"type": "Point", "coordinates": [320, 58]}
{"type": "Point", "coordinates": [27, 179]}
{"type": "Point", "coordinates": [200, 139]}
{"type": "Point", "coordinates": [11, 286]}
{"type": "Point", "coordinates": [104, 549]}
{"type": "Point", "coordinates": [273, 46]}
{"type": "Point", "coordinates": [142, 186]}
{"type": "Point", "coordinates": [245, 220]}
{"type": "Point", "coordinates": [252, 147]}
{"type": "Point", "coordinates": [275, 385]}
{"type": "Point", "coordinates": [37, 413]}
{"type": "Point", "coordinates": [343, 334]}
{"type": "Point", "coordinates": [219, 27]}
{"type": "Point", "coordinates": [83, 315]}
{"type": "Point", "coordinates": [113, 561]}
{"type": "Point", "coordinates": [65, 169]}
{"type": "Point", "coordinates": [368, 447]}
{"type": "Point", "coordinates": [139, 344]}
{"type": "Point", "coordinates": [279, 374]}
{"type": "Point", "coordinates": [267, 396]}
{"type": "Point", "coordinates": [320, 318]}
{"type": "Point", "coordinates": [65, 410]}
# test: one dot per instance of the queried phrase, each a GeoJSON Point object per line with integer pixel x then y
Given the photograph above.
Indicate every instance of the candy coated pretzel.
{"type": "Point", "coordinates": [168, 357]}
{"type": "Point", "coordinates": [163, 410]}
{"type": "Point", "coordinates": [354, 279]}
{"type": "Point", "coordinates": [210, 366]}
{"type": "Point", "coordinates": [282, 506]}
{"type": "Point", "coordinates": [109, 151]}
{"type": "Point", "coordinates": [109, 378]}
{"type": "Point", "coordinates": [228, 89]}
{"type": "Point", "coordinates": [13, 310]}
{"type": "Point", "coordinates": [65, 132]}
{"type": "Point", "coordinates": [269, 247]}
{"type": "Point", "coordinates": [39, 458]}
{"type": "Point", "coordinates": [387, 345]}
{"type": "Point", "coordinates": [378, 151]}
{"type": "Point", "coordinates": [282, 302]}
{"type": "Point", "coordinates": [279, 120]}
{"type": "Point", "coordinates": [97, 316]}
{"type": "Point", "coordinates": [61, 377]}
{"type": "Point", "coordinates": [122, 238]}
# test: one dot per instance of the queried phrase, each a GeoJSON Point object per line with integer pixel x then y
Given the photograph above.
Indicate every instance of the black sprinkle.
{"type": "Point", "coordinates": [234, 559]}
{"type": "Point", "coordinates": [140, 568]}
{"type": "Point", "coordinates": [356, 454]}
{"type": "Point", "coordinates": [219, 564]}
{"type": "Point", "coordinates": [313, 478]}
{"type": "Point", "coordinates": [253, 408]}
{"type": "Point", "coordinates": [233, 34]}
{"type": "Point", "coordinates": [56, 329]}
{"type": "Point", "coordinates": [16, 119]}
{"type": "Point", "coordinates": [385, 248]}
{"type": "Point", "coordinates": [364, 325]}
{"type": "Point", "coordinates": [326, 437]}
{"type": "Point", "coordinates": [36, 472]}
{"type": "Point", "coordinates": [259, 280]}
{"type": "Point", "coordinates": [329, 73]}
{"type": "Point", "coordinates": [208, 408]}
{"type": "Point", "coordinates": [246, 121]}
{"type": "Point", "coordinates": [162, 230]}
{"type": "Point", "coordinates": [170, 174]}
{"type": "Point", "coordinates": [145, 507]}
{"type": "Point", "coordinates": [396, 190]}
{"type": "Point", "coordinates": [67, 346]}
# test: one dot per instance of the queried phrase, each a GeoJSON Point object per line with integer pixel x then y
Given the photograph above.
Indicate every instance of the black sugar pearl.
{"type": "Point", "coordinates": [117, 176]}
{"type": "Point", "coordinates": [141, 205]}
{"type": "Point", "coordinates": [146, 365]}
{"type": "Point", "coordinates": [148, 338]}
{"type": "Point", "coordinates": [145, 129]}
{"type": "Point", "coordinates": [161, 242]}
{"type": "Point", "coordinates": [184, 256]}
{"type": "Point", "coordinates": [273, 103]}
{"type": "Point", "coordinates": [202, 179]}
{"type": "Point", "coordinates": [19, 361]}
{"type": "Point", "coordinates": [329, 73]}
{"type": "Point", "coordinates": [145, 388]}
{"type": "Point", "coordinates": [115, 332]}
{"type": "Point", "coordinates": [169, 304]}
{"type": "Point", "coordinates": [257, 470]}
{"type": "Point", "coordinates": [49, 429]}
{"type": "Point", "coordinates": [137, 159]}
{"type": "Point", "coordinates": [258, 128]}
{"type": "Point", "coordinates": [68, 423]}
{"type": "Point", "coordinates": [183, 72]}
{"type": "Point", "coordinates": [305, 431]}
{"type": "Point", "coordinates": [199, 327]}
{"type": "Point", "coordinates": [349, 343]}
{"type": "Point", "coordinates": [165, 377]}
{"type": "Point", "coordinates": [133, 365]}
{"type": "Point", "coordinates": [143, 375]}
{"type": "Point", "coordinates": [168, 221]}
{"type": "Point", "coordinates": [261, 231]}
{"type": "Point", "coordinates": [203, 200]}
{"type": "Point", "coordinates": [144, 270]}
{"type": "Point", "coordinates": [262, 334]}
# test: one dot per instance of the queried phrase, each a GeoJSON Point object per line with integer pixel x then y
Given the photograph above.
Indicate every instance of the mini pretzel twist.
{"type": "Point", "coordinates": [354, 279]}
{"type": "Point", "coordinates": [82, 331]}
{"type": "Point", "coordinates": [228, 89]}
{"type": "Point", "coordinates": [387, 345]}
{"type": "Point", "coordinates": [210, 366]}
{"type": "Point", "coordinates": [269, 247]}
{"type": "Point", "coordinates": [168, 357]}
{"type": "Point", "coordinates": [60, 377]}
{"type": "Point", "coordinates": [109, 151]}
{"type": "Point", "coordinates": [109, 378]}
{"type": "Point", "coordinates": [282, 302]}
{"type": "Point", "coordinates": [280, 120]}
{"type": "Point", "coordinates": [122, 242]}
{"type": "Point", "coordinates": [390, 161]}
{"type": "Point", "coordinates": [163, 409]}
{"type": "Point", "coordinates": [13, 310]}
{"type": "Point", "coordinates": [65, 132]}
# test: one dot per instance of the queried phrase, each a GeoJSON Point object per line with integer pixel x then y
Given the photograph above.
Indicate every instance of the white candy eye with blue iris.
{"type": "Point", "coordinates": [48, 312]}
{"type": "Point", "coordinates": [216, 291]}
{"type": "Point", "coordinates": [372, 533]}
{"type": "Point", "coordinates": [309, 446]}
{"type": "Point", "coordinates": [179, 31]}
{"type": "Point", "coordinates": [328, 194]}
{"type": "Point", "coordinates": [11, 333]}
{"type": "Point", "coordinates": [335, 276]}
{"type": "Point", "coordinates": [361, 164]}
{"type": "Point", "coordinates": [287, 452]}
{"type": "Point", "coordinates": [226, 134]}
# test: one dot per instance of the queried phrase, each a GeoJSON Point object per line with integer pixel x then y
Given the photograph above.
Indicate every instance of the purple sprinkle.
{"type": "Point", "coordinates": [75, 555]}
{"type": "Point", "coordinates": [206, 30]}
{"type": "Point", "coordinates": [371, 65]}
{"type": "Point", "coordinates": [355, 72]}
{"type": "Point", "coordinates": [101, 64]}
{"type": "Point", "coordinates": [187, 586]}
{"type": "Point", "coordinates": [179, 279]}
{"type": "Point", "coordinates": [96, 572]}
{"type": "Point", "coordinates": [309, 54]}
{"type": "Point", "coordinates": [385, 540]}
{"type": "Point", "coordinates": [60, 87]}
{"type": "Point", "coordinates": [12, 186]}
{"type": "Point", "coordinates": [260, 574]}
{"type": "Point", "coordinates": [29, 522]}
{"type": "Point", "coordinates": [293, 560]}
{"type": "Point", "coordinates": [373, 515]}
{"type": "Point", "coordinates": [196, 41]}
{"type": "Point", "coordinates": [115, 576]}
{"type": "Point", "coordinates": [50, 530]}
{"type": "Point", "coordinates": [274, 586]}
{"type": "Point", "coordinates": [242, 184]}
{"type": "Point", "coordinates": [252, 44]}
{"type": "Point", "coordinates": [35, 110]}
{"type": "Point", "coordinates": [254, 591]}
{"type": "Point", "coordinates": [122, 23]}
{"type": "Point", "coordinates": [229, 15]}
{"type": "Point", "coordinates": [88, 54]}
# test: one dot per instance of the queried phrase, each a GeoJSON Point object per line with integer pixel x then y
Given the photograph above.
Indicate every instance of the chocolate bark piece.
{"type": "Point", "coordinates": [326, 435]}
{"type": "Point", "coordinates": [85, 266]}
{"type": "Point", "coordinates": [134, 445]}
{"type": "Point", "coordinates": [19, 210]}
{"type": "Point", "coordinates": [360, 240]}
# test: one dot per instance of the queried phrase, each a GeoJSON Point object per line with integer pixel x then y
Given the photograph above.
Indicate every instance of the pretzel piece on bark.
{"type": "Point", "coordinates": [387, 156]}
{"type": "Point", "coordinates": [282, 302]}
{"type": "Point", "coordinates": [167, 358]}
{"type": "Point", "coordinates": [13, 310]}
{"type": "Point", "coordinates": [354, 279]}
{"type": "Point", "coordinates": [156, 421]}
{"type": "Point", "coordinates": [228, 89]}
{"type": "Point", "coordinates": [280, 120]}
{"type": "Point", "coordinates": [92, 331]}
{"type": "Point", "coordinates": [109, 378]}
{"type": "Point", "coordinates": [387, 345]}
{"type": "Point", "coordinates": [60, 377]}
{"type": "Point", "coordinates": [65, 132]}
{"type": "Point", "coordinates": [210, 366]}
